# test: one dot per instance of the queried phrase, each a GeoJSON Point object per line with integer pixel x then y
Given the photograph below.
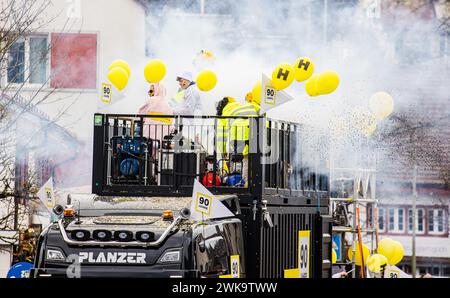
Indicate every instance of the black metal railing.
{"type": "Point", "coordinates": [162, 154]}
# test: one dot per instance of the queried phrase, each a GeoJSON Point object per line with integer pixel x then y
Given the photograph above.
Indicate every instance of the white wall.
{"type": "Point", "coordinates": [120, 28]}
{"type": "Point", "coordinates": [432, 247]}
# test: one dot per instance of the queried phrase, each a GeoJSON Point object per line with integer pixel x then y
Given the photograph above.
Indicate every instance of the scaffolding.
{"type": "Point", "coordinates": [347, 205]}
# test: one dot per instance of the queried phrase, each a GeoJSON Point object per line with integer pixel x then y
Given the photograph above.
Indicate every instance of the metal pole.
{"type": "Point", "coordinates": [355, 194]}
{"type": "Point", "coordinates": [413, 261]}
{"type": "Point", "coordinates": [202, 7]}
{"type": "Point", "coordinates": [325, 20]}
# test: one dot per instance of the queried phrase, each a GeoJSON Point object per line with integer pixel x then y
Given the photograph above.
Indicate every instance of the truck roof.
{"type": "Point", "coordinates": [87, 204]}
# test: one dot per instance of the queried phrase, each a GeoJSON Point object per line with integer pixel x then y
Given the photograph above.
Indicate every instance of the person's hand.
{"type": "Point", "coordinates": [344, 274]}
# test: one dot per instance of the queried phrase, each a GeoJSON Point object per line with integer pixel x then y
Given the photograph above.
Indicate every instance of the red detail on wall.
{"type": "Point", "coordinates": [73, 60]}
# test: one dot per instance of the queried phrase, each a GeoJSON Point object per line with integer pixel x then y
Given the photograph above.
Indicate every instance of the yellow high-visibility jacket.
{"type": "Point", "coordinates": [256, 106]}
{"type": "Point", "coordinates": [223, 127]}
{"type": "Point", "coordinates": [239, 130]}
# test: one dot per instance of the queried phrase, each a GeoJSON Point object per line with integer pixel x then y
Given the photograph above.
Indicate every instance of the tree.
{"type": "Point", "coordinates": [23, 60]}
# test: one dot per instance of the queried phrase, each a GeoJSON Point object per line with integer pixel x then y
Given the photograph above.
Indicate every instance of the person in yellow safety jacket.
{"type": "Point", "coordinates": [239, 129]}
{"type": "Point", "coordinates": [223, 124]}
{"type": "Point", "coordinates": [239, 133]}
{"type": "Point", "coordinates": [255, 102]}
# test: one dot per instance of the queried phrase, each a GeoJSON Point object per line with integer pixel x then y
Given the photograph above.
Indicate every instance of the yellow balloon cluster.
{"type": "Point", "coordinates": [381, 104]}
{"type": "Point", "coordinates": [376, 262]}
{"type": "Point", "coordinates": [282, 76]}
{"type": "Point", "coordinates": [392, 250]}
{"type": "Point", "coordinates": [154, 71]}
{"type": "Point", "coordinates": [206, 80]}
{"type": "Point", "coordinates": [303, 69]}
{"type": "Point", "coordinates": [119, 73]}
{"type": "Point", "coordinates": [366, 253]}
{"type": "Point", "coordinates": [121, 63]}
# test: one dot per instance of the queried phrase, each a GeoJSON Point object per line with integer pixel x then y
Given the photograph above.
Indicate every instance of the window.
{"type": "Point", "coordinates": [74, 61]}
{"type": "Point", "coordinates": [400, 219]}
{"type": "Point", "coordinates": [446, 272]}
{"type": "Point", "coordinates": [27, 60]}
{"type": "Point", "coordinates": [435, 271]}
{"type": "Point", "coordinates": [381, 219]}
{"type": "Point", "coordinates": [410, 220]}
{"type": "Point", "coordinates": [440, 218]}
{"type": "Point", "coordinates": [16, 62]}
{"type": "Point", "coordinates": [396, 220]}
{"type": "Point", "coordinates": [435, 221]}
{"type": "Point", "coordinates": [411, 47]}
{"type": "Point", "coordinates": [38, 60]}
{"type": "Point", "coordinates": [431, 220]}
{"type": "Point", "coordinates": [391, 219]}
{"type": "Point", "coordinates": [420, 220]}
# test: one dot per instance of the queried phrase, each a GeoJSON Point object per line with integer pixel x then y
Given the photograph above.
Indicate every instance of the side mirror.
{"type": "Point", "coordinates": [58, 210]}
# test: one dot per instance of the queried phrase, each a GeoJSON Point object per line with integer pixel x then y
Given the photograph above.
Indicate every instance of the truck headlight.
{"type": "Point", "coordinates": [170, 256]}
{"type": "Point", "coordinates": [81, 235]}
{"type": "Point", "coordinates": [102, 235]}
{"type": "Point", "coordinates": [123, 236]}
{"type": "Point", "coordinates": [55, 255]}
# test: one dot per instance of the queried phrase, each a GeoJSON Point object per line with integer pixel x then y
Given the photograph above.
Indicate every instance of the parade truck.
{"type": "Point", "coordinates": [138, 221]}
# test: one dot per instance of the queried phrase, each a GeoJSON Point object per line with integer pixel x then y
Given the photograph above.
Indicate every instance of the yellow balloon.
{"type": "Point", "coordinates": [207, 54]}
{"type": "Point", "coordinates": [399, 252]}
{"type": "Point", "coordinates": [386, 247]}
{"type": "Point", "coordinates": [121, 63]}
{"type": "Point", "coordinates": [333, 256]}
{"type": "Point", "coordinates": [366, 253]}
{"type": "Point", "coordinates": [327, 82]}
{"type": "Point", "coordinates": [376, 262]}
{"type": "Point", "coordinates": [282, 76]}
{"type": "Point", "coordinates": [381, 104]}
{"type": "Point", "coordinates": [310, 86]}
{"type": "Point", "coordinates": [154, 71]}
{"type": "Point", "coordinates": [206, 80]}
{"type": "Point", "coordinates": [256, 92]}
{"type": "Point", "coordinates": [118, 77]}
{"type": "Point", "coordinates": [303, 69]}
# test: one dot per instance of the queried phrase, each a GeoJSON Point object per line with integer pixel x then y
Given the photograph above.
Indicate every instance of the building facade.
{"type": "Point", "coordinates": [53, 77]}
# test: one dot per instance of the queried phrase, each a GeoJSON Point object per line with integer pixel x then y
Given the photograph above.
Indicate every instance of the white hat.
{"type": "Point", "coordinates": [187, 75]}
